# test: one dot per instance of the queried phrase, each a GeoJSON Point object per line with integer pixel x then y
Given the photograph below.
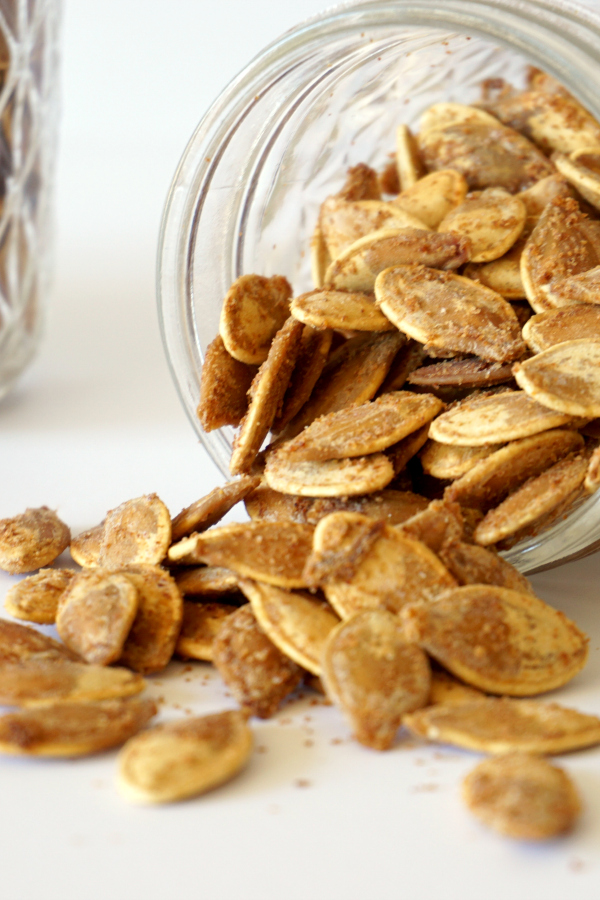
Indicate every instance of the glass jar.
{"type": "Point", "coordinates": [326, 96]}
{"type": "Point", "coordinates": [28, 119]}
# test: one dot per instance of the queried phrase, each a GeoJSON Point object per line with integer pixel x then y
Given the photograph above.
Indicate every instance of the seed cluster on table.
{"type": "Point", "coordinates": [433, 401]}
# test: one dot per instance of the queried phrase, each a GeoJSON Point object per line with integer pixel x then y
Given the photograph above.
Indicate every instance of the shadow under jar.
{"type": "Point", "coordinates": [326, 96]}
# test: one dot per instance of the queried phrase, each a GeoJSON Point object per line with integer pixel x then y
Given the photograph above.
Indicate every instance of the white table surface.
{"type": "Point", "coordinates": [95, 421]}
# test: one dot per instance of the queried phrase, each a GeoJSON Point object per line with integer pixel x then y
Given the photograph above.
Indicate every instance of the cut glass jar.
{"type": "Point", "coordinates": [325, 96]}
{"type": "Point", "coordinates": [28, 121]}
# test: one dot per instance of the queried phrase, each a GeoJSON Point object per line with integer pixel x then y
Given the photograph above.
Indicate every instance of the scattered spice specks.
{"type": "Point", "coordinates": [302, 783]}
{"type": "Point", "coordinates": [425, 788]}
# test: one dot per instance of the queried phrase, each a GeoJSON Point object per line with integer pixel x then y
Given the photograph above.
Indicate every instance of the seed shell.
{"type": "Point", "coordinates": [553, 121]}
{"type": "Point", "coordinates": [341, 544]}
{"type": "Point", "coordinates": [566, 377]}
{"type": "Point", "coordinates": [574, 289]}
{"type": "Point", "coordinates": [471, 564]}
{"type": "Point", "coordinates": [32, 539]}
{"type": "Point", "coordinates": [210, 582]}
{"type": "Point", "coordinates": [359, 265]}
{"type": "Point", "coordinates": [571, 323]}
{"type": "Point", "coordinates": [539, 80]}
{"type": "Point", "coordinates": [266, 396]}
{"type": "Point", "coordinates": [449, 461]}
{"type": "Point", "coordinates": [183, 759]}
{"type": "Point", "coordinates": [500, 473]}
{"type": "Point", "coordinates": [343, 222]}
{"type": "Point", "coordinates": [492, 220]}
{"type": "Point", "coordinates": [257, 673]}
{"type": "Point", "coordinates": [433, 196]}
{"type": "Point", "coordinates": [363, 429]}
{"type": "Point", "coordinates": [340, 309]}
{"type": "Point", "coordinates": [224, 384]}
{"type": "Point", "coordinates": [472, 372]}
{"type": "Point", "coordinates": [448, 311]}
{"type": "Point", "coordinates": [559, 510]}
{"type": "Point", "coordinates": [138, 532]}
{"type": "Point", "coordinates": [410, 167]}
{"type": "Point", "coordinates": [499, 640]}
{"type": "Point", "coordinates": [85, 548]}
{"type": "Point", "coordinates": [200, 625]}
{"type": "Point", "coordinates": [319, 257]}
{"type": "Point", "coordinates": [584, 179]}
{"type": "Point", "coordinates": [442, 115]}
{"type": "Point", "coordinates": [488, 155]}
{"type": "Point", "coordinates": [296, 623]}
{"type": "Point", "coordinates": [46, 681]}
{"type": "Point", "coordinates": [592, 478]}
{"type": "Point", "coordinates": [497, 418]}
{"type": "Point", "coordinates": [588, 156]}
{"type": "Point", "coordinates": [253, 311]}
{"type": "Point", "coordinates": [361, 183]}
{"type": "Point", "coordinates": [440, 522]}
{"type": "Point", "coordinates": [545, 191]}
{"type": "Point", "coordinates": [275, 552]}
{"type": "Point", "coordinates": [389, 179]}
{"type": "Point", "coordinates": [559, 247]}
{"type": "Point", "coordinates": [210, 509]}
{"type": "Point", "coordinates": [20, 643]}
{"type": "Point", "coordinates": [73, 729]}
{"type": "Point", "coordinates": [446, 690]}
{"type": "Point", "coordinates": [353, 374]}
{"type": "Point", "coordinates": [36, 598]}
{"type": "Point", "coordinates": [394, 571]}
{"type": "Point", "coordinates": [522, 796]}
{"type": "Point", "coordinates": [502, 275]}
{"type": "Point", "coordinates": [374, 676]}
{"type": "Point", "coordinates": [408, 358]}
{"type": "Point", "coordinates": [534, 500]}
{"type": "Point", "coordinates": [312, 356]}
{"type": "Point", "coordinates": [330, 478]}
{"type": "Point", "coordinates": [151, 640]}
{"type": "Point", "coordinates": [393, 506]}
{"type": "Point", "coordinates": [502, 725]}
{"type": "Point", "coordinates": [96, 613]}
{"type": "Point", "coordinates": [401, 453]}
{"type": "Point", "coordinates": [523, 311]}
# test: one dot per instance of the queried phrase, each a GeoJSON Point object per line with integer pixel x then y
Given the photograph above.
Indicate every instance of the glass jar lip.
{"type": "Point", "coordinates": [568, 25]}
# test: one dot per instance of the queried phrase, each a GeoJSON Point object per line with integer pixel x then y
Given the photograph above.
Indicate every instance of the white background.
{"type": "Point", "coordinates": [96, 421]}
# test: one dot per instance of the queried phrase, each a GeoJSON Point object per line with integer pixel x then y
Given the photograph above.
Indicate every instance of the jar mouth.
{"type": "Point", "coordinates": [245, 195]}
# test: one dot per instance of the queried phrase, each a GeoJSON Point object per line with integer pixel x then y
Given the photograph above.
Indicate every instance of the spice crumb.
{"type": "Point", "coordinates": [302, 783]}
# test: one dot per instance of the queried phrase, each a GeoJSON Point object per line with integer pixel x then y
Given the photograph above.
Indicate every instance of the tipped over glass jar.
{"type": "Point", "coordinates": [326, 96]}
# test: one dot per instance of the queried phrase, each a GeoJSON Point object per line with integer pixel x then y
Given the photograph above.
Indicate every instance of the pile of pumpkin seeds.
{"type": "Point", "coordinates": [433, 401]}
